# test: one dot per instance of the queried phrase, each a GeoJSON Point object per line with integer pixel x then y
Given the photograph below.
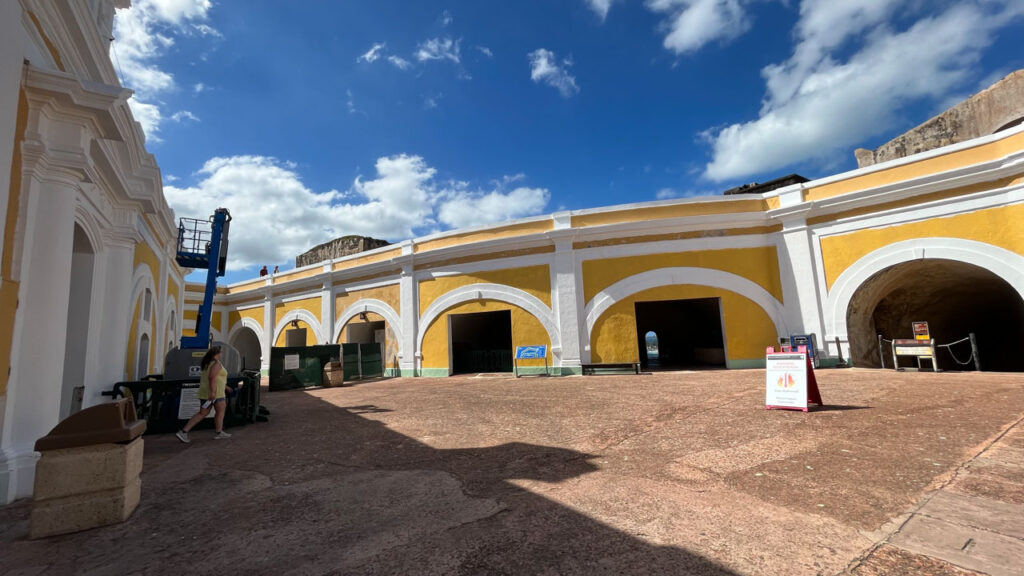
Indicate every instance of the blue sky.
{"type": "Point", "coordinates": [396, 119]}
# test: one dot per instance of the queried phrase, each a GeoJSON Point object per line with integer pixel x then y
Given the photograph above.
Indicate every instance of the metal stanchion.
{"type": "Point", "coordinates": [881, 351]}
{"type": "Point", "coordinates": [974, 351]}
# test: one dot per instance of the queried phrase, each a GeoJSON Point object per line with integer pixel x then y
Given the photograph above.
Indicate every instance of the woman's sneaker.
{"type": "Point", "coordinates": [221, 435]}
{"type": "Point", "coordinates": [183, 436]}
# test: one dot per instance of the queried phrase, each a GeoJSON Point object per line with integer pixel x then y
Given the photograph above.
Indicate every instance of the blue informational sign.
{"type": "Point", "coordinates": [530, 352]}
{"type": "Point", "coordinates": [807, 340]}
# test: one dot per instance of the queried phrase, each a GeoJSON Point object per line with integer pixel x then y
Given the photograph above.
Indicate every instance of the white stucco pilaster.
{"type": "Point", "coordinates": [409, 309]}
{"type": "Point", "coordinates": [269, 322]}
{"type": "Point", "coordinates": [114, 266]}
{"type": "Point", "coordinates": [37, 355]}
{"type": "Point", "coordinates": [327, 313]}
{"type": "Point", "coordinates": [567, 300]}
{"type": "Point", "coordinates": [798, 271]}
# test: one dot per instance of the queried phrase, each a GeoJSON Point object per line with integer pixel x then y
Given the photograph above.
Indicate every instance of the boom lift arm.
{"type": "Point", "coordinates": [204, 244]}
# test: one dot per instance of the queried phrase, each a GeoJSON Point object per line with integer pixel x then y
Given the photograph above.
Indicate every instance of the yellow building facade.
{"type": "Point", "coordinates": [935, 236]}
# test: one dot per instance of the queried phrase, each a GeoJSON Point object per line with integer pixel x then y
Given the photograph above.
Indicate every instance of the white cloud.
{"type": "Point", "coordinates": [818, 105]}
{"type": "Point", "coordinates": [600, 7]}
{"type": "Point", "coordinates": [691, 24]}
{"type": "Point", "coordinates": [544, 67]}
{"type": "Point", "coordinates": [666, 193]}
{"type": "Point", "coordinates": [462, 207]}
{"type": "Point", "coordinates": [183, 115]}
{"type": "Point", "coordinates": [439, 49]}
{"type": "Point", "coordinates": [170, 178]}
{"type": "Point", "coordinates": [446, 18]}
{"type": "Point", "coordinates": [485, 51]}
{"type": "Point", "coordinates": [144, 33]}
{"type": "Point", "coordinates": [198, 87]}
{"type": "Point", "coordinates": [276, 216]}
{"type": "Point", "coordinates": [430, 101]}
{"type": "Point", "coordinates": [399, 62]}
{"type": "Point", "coordinates": [373, 54]}
{"type": "Point", "coordinates": [350, 104]}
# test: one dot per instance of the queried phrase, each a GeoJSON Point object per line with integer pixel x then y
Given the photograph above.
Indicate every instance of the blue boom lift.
{"type": "Point", "coordinates": [203, 244]}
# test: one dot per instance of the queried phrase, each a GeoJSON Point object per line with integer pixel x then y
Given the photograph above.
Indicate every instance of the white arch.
{"type": "Point", "coordinates": [255, 327]}
{"type": "Point", "coordinates": [377, 307]}
{"type": "Point", "coordinates": [299, 314]}
{"type": "Point", "coordinates": [1007, 265]}
{"type": "Point", "coordinates": [92, 230]}
{"type": "Point", "coordinates": [680, 276]}
{"type": "Point", "coordinates": [142, 279]}
{"type": "Point", "coordinates": [499, 292]}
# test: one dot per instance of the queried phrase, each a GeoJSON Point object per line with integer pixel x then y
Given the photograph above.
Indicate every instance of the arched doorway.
{"type": "Point", "coordinates": [954, 297]}
{"type": "Point", "coordinates": [650, 357]}
{"type": "Point", "coordinates": [77, 337]}
{"type": "Point", "coordinates": [247, 343]}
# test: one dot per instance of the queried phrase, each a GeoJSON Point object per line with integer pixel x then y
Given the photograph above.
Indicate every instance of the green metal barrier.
{"type": "Point", "coordinates": [300, 367]}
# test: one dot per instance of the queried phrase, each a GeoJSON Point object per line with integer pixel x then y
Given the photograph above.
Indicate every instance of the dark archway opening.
{"type": "Point", "coordinates": [76, 341]}
{"type": "Point", "coordinates": [247, 343]}
{"type": "Point", "coordinates": [955, 298]}
{"type": "Point", "coordinates": [481, 342]}
{"type": "Point", "coordinates": [688, 333]}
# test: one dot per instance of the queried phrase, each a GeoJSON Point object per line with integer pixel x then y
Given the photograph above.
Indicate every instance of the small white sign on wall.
{"type": "Point", "coordinates": [291, 362]}
{"type": "Point", "coordinates": [786, 381]}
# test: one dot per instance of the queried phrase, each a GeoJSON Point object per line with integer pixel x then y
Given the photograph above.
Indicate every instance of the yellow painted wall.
{"type": "Point", "coordinates": [9, 288]}
{"type": "Point", "coordinates": [703, 208]}
{"type": "Point", "coordinates": [310, 334]}
{"type": "Point", "coordinates": [494, 233]}
{"type": "Point", "coordinates": [748, 328]}
{"type": "Point", "coordinates": [188, 322]}
{"type": "Point", "coordinates": [215, 322]}
{"type": "Point", "coordinates": [390, 295]}
{"type": "Point", "coordinates": [526, 331]}
{"type": "Point", "coordinates": [172, 288]}
{"type": "Point", "coordinates": [999, 226]}
{"type": "Point", "coordinates": [536, 280]}
{"type": "Point", "coordinates": [311, 305]}
{"type": "Point", "coordinates": [46, 41]}
{"type": "Point", "coordinates": [950, 161]}
{"type": "Point", "coordinates": [372, 258]}
{"type": "Point", "coordinates": [760, 265]}
{"type": "Point", "coordinates": [235, 316]}
{"type": "Point", "coordinates": [145, 255]}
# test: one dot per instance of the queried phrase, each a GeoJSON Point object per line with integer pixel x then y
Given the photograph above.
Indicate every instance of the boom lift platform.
{"type": "Point", "coordinates": [203, 244]}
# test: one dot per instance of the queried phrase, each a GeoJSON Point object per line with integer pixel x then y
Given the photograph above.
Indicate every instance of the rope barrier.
{"type": "Point", "coordinates": [949, 348]}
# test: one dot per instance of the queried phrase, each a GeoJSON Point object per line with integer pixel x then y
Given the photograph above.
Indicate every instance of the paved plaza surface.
{"type": "Point", "coordinates": [670, 473]}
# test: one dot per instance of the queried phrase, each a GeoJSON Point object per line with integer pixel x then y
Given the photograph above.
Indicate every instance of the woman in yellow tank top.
{"type": "Point", "coordinates": [212, 386]}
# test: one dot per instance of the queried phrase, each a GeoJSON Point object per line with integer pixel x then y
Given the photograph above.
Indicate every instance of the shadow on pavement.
{"type": "Point", "coordinates": [323, 489]}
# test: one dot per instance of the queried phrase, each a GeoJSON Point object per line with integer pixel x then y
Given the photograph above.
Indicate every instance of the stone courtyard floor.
{"type": "Point", "coordinates": [671, 473]}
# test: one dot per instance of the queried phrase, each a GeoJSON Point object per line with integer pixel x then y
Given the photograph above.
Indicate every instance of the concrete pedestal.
{"type": "Point", "coordinates": [87, 487]}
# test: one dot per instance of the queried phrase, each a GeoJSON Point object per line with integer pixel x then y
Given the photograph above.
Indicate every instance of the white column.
{"type": "Point", "coordinates": [112, 315]}
{"type": "Point", "coordinates": [37, 355]}
{"type": "Point", "coordinates": [327, 312]}
{"type": "Point", "coordinates": [268, 328]}
{"type": "Point", "coordinates": [799, 274]}
{"type": "Point", "coordinates": [409, 309]}
{"type": "Point", "coordinates": [567, 301]}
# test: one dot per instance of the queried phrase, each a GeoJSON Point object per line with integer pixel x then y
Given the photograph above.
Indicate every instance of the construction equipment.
{"type": "Point", "coordinates": [163, 400]}
{"type": "Point", "coordinates": [203, 245]}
